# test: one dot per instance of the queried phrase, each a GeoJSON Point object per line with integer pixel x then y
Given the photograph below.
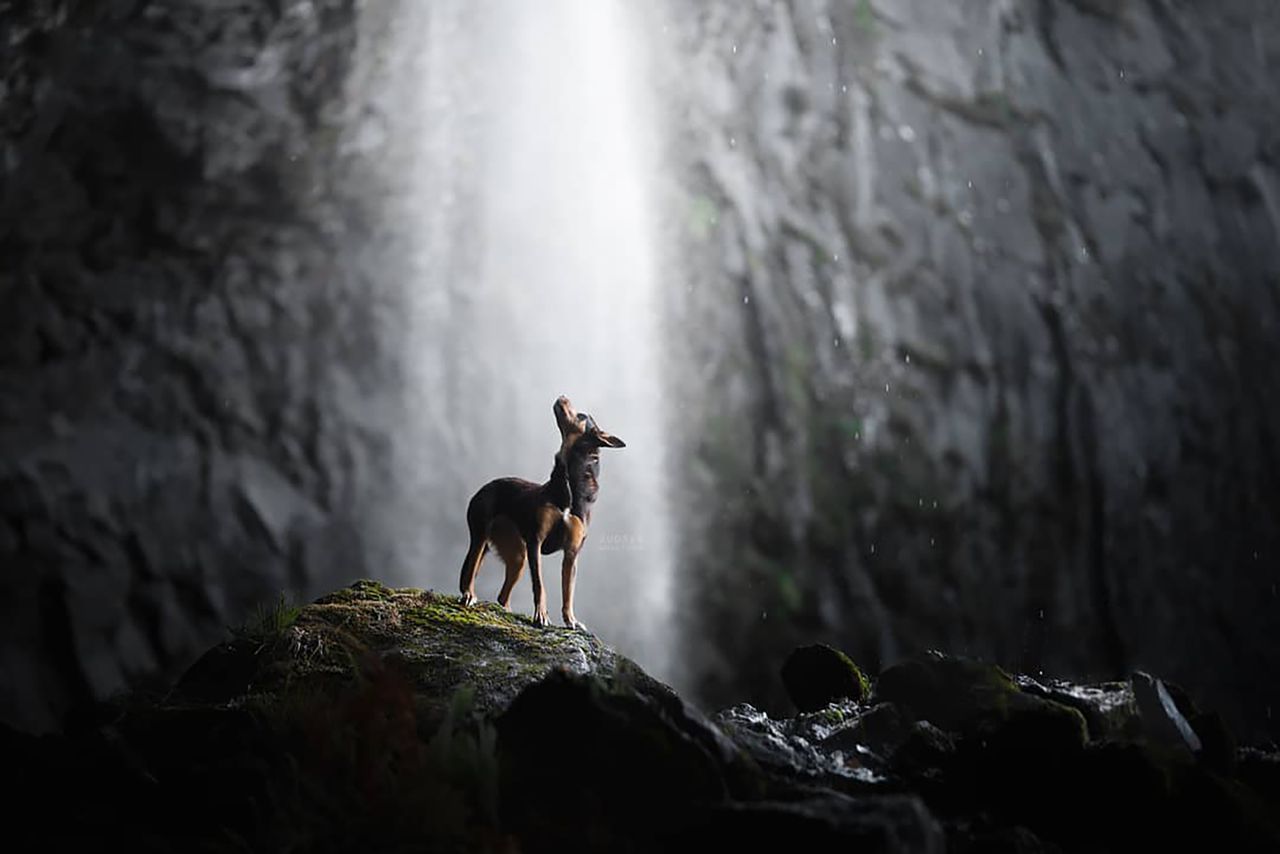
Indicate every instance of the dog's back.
{"type": "Point", "coordinates": [504, 496]}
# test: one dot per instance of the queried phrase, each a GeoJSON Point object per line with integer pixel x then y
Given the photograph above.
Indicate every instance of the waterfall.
{"type": "Point", "coordinates": [529, 204]}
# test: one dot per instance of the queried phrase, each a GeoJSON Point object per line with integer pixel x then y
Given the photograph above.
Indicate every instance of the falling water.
{"type": "Point", "coordinates": [534, 276]}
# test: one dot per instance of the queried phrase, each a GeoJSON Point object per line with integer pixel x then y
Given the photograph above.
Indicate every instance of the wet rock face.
{"type": "Point", "coordinates": [184, 363]}
{"type": "Point", "coordinates": [987, 309]}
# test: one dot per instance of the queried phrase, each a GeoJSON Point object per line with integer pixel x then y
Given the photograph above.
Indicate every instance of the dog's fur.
{"type": "Point", "coordinates": [525, 520]}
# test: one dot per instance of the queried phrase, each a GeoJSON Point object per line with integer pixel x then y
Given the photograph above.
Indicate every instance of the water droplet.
{"type": "Point", "coordinates": [907, 133]}
{"type": "Point", "coordinates": [835, 342]}
{"type": "Point", "coordinates": [873, 548]}
{"type": "Point", "coordinates": [931, 541]}
{"type": "Point", "coordinates": [844, 88]}
{"type": "Point", "coordinates": [835, 257]}
{"type": "Point", "coordinates": [886, 388]}
{"type": "Point", "coordinates": [746, 300]}
{"type": "Point", "coordinates": [833, 40]}
{"type": "Point", "coordinates": [733, 143]}
{"type": "Point", "coordinates": [907, 358]}
{"type": "Point", "coordinates": [735, 48]}
{"type": "Point", "coordinates": [1040, 613]}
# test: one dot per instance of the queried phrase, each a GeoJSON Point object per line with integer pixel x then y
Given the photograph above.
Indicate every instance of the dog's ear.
{"type": "Point", "coordinates": [608, 440]}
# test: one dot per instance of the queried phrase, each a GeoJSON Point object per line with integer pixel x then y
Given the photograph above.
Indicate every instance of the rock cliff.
{"type": "Point", "coordinates": [982, 316]}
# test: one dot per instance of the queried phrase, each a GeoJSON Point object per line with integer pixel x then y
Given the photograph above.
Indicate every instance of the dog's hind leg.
{"type": "Point", "coordinates": [506, 539]}
{"type": "Point", "coordinates": [470, 566]}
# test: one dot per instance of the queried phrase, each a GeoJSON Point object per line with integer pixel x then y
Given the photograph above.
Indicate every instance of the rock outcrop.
{"type": "Point", "coordinates": [380, 719]}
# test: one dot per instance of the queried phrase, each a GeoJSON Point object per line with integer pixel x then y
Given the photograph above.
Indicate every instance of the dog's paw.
{"type": "Point", "coordinates": [468, 599]}
{"type": "Point", "coordinates": [540, 618]}
{"type": "Point", "coordinates": [576, 625]}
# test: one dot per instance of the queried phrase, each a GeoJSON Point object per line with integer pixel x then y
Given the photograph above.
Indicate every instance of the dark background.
{"type": "Point", "coordinates": [972, 318]}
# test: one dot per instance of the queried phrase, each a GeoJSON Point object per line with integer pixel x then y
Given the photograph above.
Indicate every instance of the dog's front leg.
{"type": "Point", "coordinates": [574, 534]}
{"type": "Point", "coordinates": [568, 574]}
{"type": "Point", "coordinates": [534, 552]}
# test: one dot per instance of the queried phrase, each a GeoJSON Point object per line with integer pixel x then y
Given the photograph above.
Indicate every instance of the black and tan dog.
{"type": "Point", "coordinates": [523, 519]}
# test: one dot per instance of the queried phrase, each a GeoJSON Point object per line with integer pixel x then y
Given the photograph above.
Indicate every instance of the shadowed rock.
{"type": "Point", "coordinates": [817, 675]}
{"type": "Point", "coordinates": [1162, 719]}
{"type": "Point", "coordinates": [380, 719]}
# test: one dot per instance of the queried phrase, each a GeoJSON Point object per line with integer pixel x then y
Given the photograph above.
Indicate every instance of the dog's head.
{"type": "Point", "coordinates": [578, 429]}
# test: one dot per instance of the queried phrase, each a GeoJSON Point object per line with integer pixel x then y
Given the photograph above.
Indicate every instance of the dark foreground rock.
{"type": "Point", "coordinates": [396, 720]}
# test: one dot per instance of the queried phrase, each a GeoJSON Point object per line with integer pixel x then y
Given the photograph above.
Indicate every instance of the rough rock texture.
{"type": "Point", "coordinates": [987, 304]}
{"type": "Point", "coordinates": [429, 639]}
{"type": "Point", "coordinates": [381, 719]}
{"type": "Point", "coordinates": [188, 364]}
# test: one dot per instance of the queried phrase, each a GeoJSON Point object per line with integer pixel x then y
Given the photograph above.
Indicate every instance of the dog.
{"type": "Point", "coordinates": [524, 520]}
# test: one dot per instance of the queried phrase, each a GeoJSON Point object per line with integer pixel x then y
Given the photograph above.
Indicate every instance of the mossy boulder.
{"type": "Point", "coordinates": [818, 675]}
{"type": "Point", "coordinates": [430, 640]}
{"type": "Point", "coordinates": [978, 699]}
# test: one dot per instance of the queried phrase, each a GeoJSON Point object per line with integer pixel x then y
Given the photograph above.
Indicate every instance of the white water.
{"type": "Point", "coordinates": [536, 276]}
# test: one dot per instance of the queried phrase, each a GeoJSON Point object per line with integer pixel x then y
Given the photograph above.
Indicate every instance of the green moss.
{"type": "Point", "coordinates": [850, 427]}
{"type": "Point", "coordinates": [789, 592]}
{"type": "Point", "coordinates": [799, 374]}
{"type": "Point", "coordinates": [866, 17]}
{"type": "Point", "coordinates": [361, 590]}
{"type": "Point", "coordinates": [267, 621]}
{"type": "Point", "coordinates": [868, 346]}
{"type": "Point", "coordinates": [863, 682]}
{"type": "Point", "coordinates": [703, 217]}
{"type": "Point", "coordinates": [833, 715]}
